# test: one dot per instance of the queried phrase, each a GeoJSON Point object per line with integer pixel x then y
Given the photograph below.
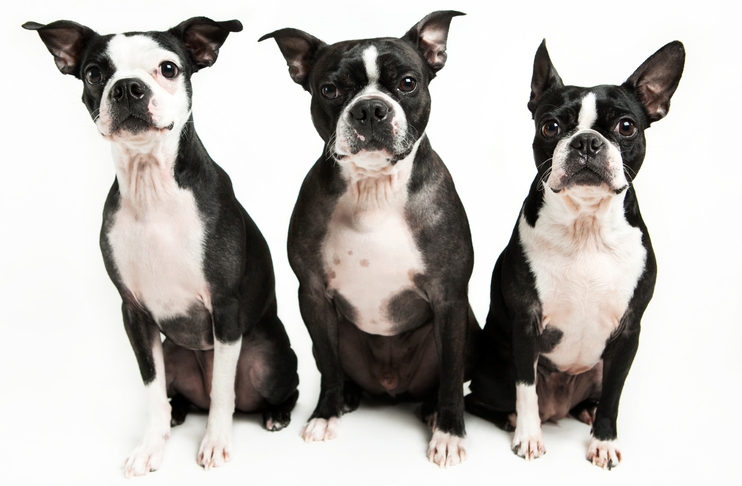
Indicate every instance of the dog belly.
{"type": "Point", "coordinates": [558, 392]}
{"type": "Point", "coordinates": [371, 274]}
{"type": "Point", "coordinates": [405, 364]}
{"type": "Point", "coordinates": [190, 374]}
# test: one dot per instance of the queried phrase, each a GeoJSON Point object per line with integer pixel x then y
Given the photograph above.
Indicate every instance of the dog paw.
{"type": "Point", "coordinates": [214, 450]}
{"type": "Point", "coordinates": [318, 430]}
{"type": "Point", "coordinates": [446, 449]}
{"type": "Point", "coordinates": [604, 453]}
{"type": "Point", "coordinates": [528, 445]}
{"type": "Point", "coordinates": [145, 458]}
{"type": "Point", "coordinates": [275, 421]}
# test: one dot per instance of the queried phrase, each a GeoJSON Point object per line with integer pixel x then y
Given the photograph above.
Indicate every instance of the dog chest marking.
{"type": "Point", "coordinates": [369, 253]}
{"type": "Point", "coordinates": [586, 264]}
{"type": "Point", "coordinates": [157, 240]}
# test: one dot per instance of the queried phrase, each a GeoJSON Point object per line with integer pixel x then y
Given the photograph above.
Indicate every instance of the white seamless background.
{"type": "Point", "coordinates": [72, 403]}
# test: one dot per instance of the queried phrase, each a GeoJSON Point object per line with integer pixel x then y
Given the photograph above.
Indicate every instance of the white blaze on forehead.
{"type": "Point", "coordinates": [588, 112]}
{"type": "Point", "coordinates": [129, 53]}
{"type": "Point", "coordinates": [369, 60]}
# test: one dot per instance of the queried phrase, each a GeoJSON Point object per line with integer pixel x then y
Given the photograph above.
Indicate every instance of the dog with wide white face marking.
{"type": "Point", "coordinates": [569, 290]}
{"type": "Point", "coordinates": [379, 239]}
{"type": "Point", "coordinates": [185, 256]}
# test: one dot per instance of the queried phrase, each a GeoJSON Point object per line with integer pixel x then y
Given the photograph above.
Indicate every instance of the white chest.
{"type": "Point", "coordinates": [586, 273]}
{"type": "Point", "coordinates": [369, 253]}
{"type": "Point", "coordinates": [157, 241]}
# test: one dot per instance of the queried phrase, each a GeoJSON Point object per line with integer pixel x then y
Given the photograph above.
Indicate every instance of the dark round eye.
{"type": "Point", "coordinates": [329, 91]}
{"type": "Point", "coordinates": [551, 129]}
{"type": "Point", "coordinates": [407, 85]}
{"type": "Point", "coordinates": [169, 69]}
{"type": "Point", "coordinates": [93, 75]}
{"type": "Point", "coordinates": [626, 128]}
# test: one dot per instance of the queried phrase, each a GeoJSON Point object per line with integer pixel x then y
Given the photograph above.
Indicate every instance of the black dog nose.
{"type": "Point", "coordinates": [129, 88]}
{"type": "Point", "coordinates": [587, 144]}
{"type": "Point", "coordinates": [373, 110]}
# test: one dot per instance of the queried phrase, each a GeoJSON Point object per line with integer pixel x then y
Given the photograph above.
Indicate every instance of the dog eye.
{"type": "Point", "coordinates": [407, 85]}
{"type": "Point", "coordinates": [169, 70]}
{"type": "Point", "coordinates": [626, 128]}
{"type": "Point", "coordinates": [329, 91]}
{"type": "Point", "coordinates": [551, 129]}
{"type": "Point", "coordinates": [93, 75]}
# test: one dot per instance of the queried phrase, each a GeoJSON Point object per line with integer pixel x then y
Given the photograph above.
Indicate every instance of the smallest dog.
{"type": "Point", "coordinates": [569, 290]}
{"type": "Point", "coordinates": [184, 255]}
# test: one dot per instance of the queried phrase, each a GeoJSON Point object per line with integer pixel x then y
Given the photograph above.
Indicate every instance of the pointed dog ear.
{"type": "Point", "coordinates": [545, 77]}
{"type": "Point", "coordinates": [203, 37]}
{"type": "Point", "coordinates": [299, 50]}
{"type": "Point", "coordinates": [66, 40]}
{"type": "Point", "coordinates": [430, 36]}
{"type": "Point", "coordinates": [656, 80]}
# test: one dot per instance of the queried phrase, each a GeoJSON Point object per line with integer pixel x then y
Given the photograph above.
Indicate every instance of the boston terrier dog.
{"type": "Point", "coordinates": [184, 255]}
{"type": "Point", "coordinates": [379, 239]}
{"type": "Point", "coordinates": [569, 290]}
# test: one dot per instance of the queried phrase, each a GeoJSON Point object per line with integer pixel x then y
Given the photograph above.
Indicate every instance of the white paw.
{"type": "Point", "coordinates": [215, 449]}
{"type": "Point", "coordinates": [146, 457]}
{"type": "Point", "coordinates": [318, 430]}
{"type": "Point", "coordinates": [446, 449]}
{"type": "Point", "coordinates": [528, 444]}
{"type": "Point", "coordinates": [604, 453]}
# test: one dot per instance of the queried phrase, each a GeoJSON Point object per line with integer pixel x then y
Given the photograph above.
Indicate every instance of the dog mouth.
{"type": "Point", "coordinates": [588, 176]}
{"type": "Point", "coordinates": [135, 124]}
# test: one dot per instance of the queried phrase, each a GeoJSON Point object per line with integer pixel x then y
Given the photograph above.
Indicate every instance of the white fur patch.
{"type": "Point", "coordinates": [604, 453]}
{"type": "Point", "coordinates": [148, 454]}
{"type": "Point", "coordinates": [369, 61]}
{"type": "Point", "coordinates": [369, 252]}
{"type": "Point", "coordinates": [446, 449]}
{"type": "Point", "coordinates": [528, 441]}
{"type": "Point", "coordinates": [216, 445]}
{"type": "Point", "coordinates": [319, 430]}
{"type": "Point", "coordinates": [587, 260]}
{"type": "Point", "coordinates": [157, 238]}
{"type": "Point", "coordinates": [588, 112]}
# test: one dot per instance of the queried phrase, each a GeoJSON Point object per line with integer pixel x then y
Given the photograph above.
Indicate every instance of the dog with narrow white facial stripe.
{"type": "Point", "coordinates": [186, 258]}
{"type": "Point", "coordinates": [569, 291]}
{"type": "Point", "coordinates": [379, 239]}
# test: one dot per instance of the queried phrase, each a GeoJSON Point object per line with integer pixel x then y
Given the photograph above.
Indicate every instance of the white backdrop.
{"type": "Point", "coordinates": [72, 403]}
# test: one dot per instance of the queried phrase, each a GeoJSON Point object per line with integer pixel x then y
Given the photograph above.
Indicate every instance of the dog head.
{"type": "Point", "coordinates": [136, 85]}
{"type": "Point", "coordinates": [591, 140]}
{"type": "Point", "coordinates": [370, 98]}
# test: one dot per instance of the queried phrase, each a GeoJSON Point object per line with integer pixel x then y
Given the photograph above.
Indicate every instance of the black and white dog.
{"type": "Point", "coordinates": [186, 258]}
{"type": "Point", "coordinates": [569, 290]}
{"type": "Point", "coordinates": [379, 239]}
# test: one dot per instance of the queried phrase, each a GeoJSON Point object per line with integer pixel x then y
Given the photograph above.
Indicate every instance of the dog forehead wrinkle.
{"type": "Point", "coordinates": [370, 55]}
{"type": "Point", "coordinates": [588, 112]}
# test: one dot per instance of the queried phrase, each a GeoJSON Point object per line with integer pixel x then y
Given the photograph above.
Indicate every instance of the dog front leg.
{"type": "Point", "coordinates": [447, 447]}
{"type": "Point", "coordinates": [145, 340]}
{"type": "Point", "coordinates": [618, 356]}
{"type": "Point", "coordinates": [217, 442]}
{"type": "Point", "coordinates": [528, 441]}
{"type": "Point", "coordinates": [320, 318]}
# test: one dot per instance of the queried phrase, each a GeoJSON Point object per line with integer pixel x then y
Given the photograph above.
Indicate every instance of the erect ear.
{"type": "Point", "coordinates": [430, 37]}
{"type": "Point", "coordinates": [66, 40]}
{"type": "Point", "coordinates": [203, 37]}
{"type": "Point", "coordinates": [656, 80]}
{"type": "Point", "coordinates": [545, 76]}
{"type": "Point", "coordinates": [299, 49]}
